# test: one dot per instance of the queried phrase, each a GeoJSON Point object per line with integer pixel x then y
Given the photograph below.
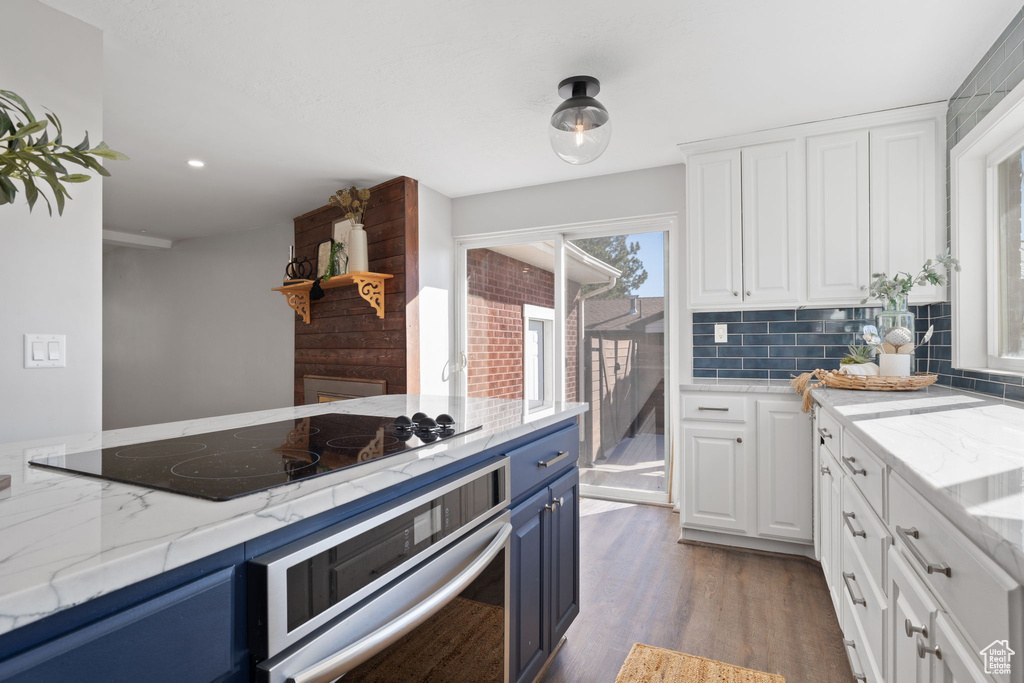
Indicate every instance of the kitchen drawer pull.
{"type": "Point", "coordinates": [851, 645]}
{"type": "Point", "coordinates": [847, 516]}
{"type": "Point", "coordinates": [720, 410]}
{"type": "Point", "coordinates": [909, 627]}
{"type": "Point", "coordinates": [923, 650]}
{"type": "Point", "coordinates": [826, 470]}
{"type": "Point", "coordinates": [825, 434]}
{"type": "Point", "coordinates": [559, 457]}
{"type": "Point", "coordinates": [849, 460]}
{"type": "Point", "coordinates": [905, 535]}
{"type": "Point", "coordinates": [847, 578]}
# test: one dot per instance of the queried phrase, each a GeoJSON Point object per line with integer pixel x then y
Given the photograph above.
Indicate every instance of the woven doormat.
{"type": "Point", "coordinates": [647, 664]}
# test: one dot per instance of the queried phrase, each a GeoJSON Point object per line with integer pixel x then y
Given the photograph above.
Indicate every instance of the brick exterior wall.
{"type": "Point", "coordinates": [498, 287]}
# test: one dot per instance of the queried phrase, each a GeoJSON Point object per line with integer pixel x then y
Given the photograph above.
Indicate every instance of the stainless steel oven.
{"type": "Point", "coordinates": [416, 590]}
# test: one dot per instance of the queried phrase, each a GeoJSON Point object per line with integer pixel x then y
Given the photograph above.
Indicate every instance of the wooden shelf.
{"type": "Point", "coordinates": [369, 285]}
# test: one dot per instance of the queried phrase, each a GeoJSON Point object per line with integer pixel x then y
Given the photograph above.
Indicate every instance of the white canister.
{"type": "Point", "coordinates": [357, 258]}
{"type": "Point", "coordinates": [894, 364]}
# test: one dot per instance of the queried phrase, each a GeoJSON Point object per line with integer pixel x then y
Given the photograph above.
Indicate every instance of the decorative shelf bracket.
{"type": "Point", "coordinates": [298, 300]}
{"type": "Point", "coordinates": [369, 285]}
{"type": "Point", "coordinates": [371, 290]}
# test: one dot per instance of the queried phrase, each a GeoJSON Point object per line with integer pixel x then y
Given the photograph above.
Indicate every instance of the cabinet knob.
{"type": "Point", "coordinates": [923, 650]}
{"type": "Point", "coordinates": [735, 293]}
{"type": "Point", "coordinates": [747, 292]}
{"type": "Point", "coordinates": [911, 629]}
{"type": "Point", "coordinates": [739, 440]}
{"type": "Point", "coordinates": [863, 288]}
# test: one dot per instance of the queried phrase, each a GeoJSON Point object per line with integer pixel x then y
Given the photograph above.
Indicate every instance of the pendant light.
{"type": "Point", "coordinates": [580, 129]}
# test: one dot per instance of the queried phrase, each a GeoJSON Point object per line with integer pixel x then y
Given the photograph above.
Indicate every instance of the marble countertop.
{"type": "Point", "coordinates": [963, 452]}
{"type": "Point", "coordinates": [66, 539]}
{"type": "Point", "coordinates": [759, 386]}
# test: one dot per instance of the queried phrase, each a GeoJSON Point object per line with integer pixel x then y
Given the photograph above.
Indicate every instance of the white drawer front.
{"type": "Point", "coordinates": [710, 407]}
{"type": "Point", "coordinates": [866, 471]}
{"type": "Point", "coordinates": [867, 605]}
{"type": "Point", "coordinates": [865, 531]}
{"type": "Point", "coordinates": [981, 596]}
{"type": "Point", "coordinates": [861, 663]}
{"type": "Point", "coordinates": [830, 432]}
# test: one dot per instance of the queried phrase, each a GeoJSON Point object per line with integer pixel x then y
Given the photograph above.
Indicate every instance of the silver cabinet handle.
{"type": "Point", "coordinates": [847, 516]}
{"type": "Point", "coordinates": [717, 410]}
{"type": "Point", "coordinates": [923, 650]}
{"type": "Point", "coordinates": [826, 470]}
{"type": "Point", "coordinates": [849, 460]}
{"type": "Point", "coordinates": [334, 666]}
{"type": "Point", "coordinates": [825, 434]}
{"type": "Point", "coordinates": [851, 645]}
{"type": "Point", "coordinates": [555, 504]}
{"type": "Point", "coordinates": [909, 627]}
{"type": "Point", "coordinates": [847, 578]}
{"type": "Point", "coordinates": [905, 535]}
{"type": "Point", "coordinates": [735, 293]}
{"type": "Point", "coordinates": [747, 293]}
{"type": "Point", "coordinates": [739, 439]}
{"type": "Point", "coordinates": [863, 288]}
{"type": "Point", "coordinates": [559, 457]}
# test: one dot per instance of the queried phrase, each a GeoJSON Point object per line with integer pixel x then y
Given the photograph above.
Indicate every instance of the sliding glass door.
{"type": "Point", "coordinates": [577, 316]}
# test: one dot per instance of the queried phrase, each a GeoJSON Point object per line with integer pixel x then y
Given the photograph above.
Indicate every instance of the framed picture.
{"type": "Point", "coordinates": [323, 257]}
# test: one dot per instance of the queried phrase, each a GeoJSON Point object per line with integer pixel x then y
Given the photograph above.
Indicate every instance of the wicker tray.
{"type": "Point", "coordinates": [876, 383]}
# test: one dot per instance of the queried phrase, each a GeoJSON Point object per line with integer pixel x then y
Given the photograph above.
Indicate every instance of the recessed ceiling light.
{"type": "Point", "coordinates": [196, 163]}
{"type": "Point", "coordinates": [142, 231]}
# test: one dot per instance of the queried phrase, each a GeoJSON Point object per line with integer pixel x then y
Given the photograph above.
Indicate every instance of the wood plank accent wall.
{"type": "Point", "coordinates": [345, 338]}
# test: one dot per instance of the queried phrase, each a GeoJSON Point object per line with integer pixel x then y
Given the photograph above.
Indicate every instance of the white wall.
{"type": "Point", "coordinates": [50, 280]}
{"type": "Point", "coordinates": [435, 295]}
{"type": "Point", "coordinates": [194, 331]}
{"type": "Point", "coordinates": [619, 195]}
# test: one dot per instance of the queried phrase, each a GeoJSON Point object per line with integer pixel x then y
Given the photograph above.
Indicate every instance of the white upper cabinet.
{"type": "Point", "coordinates": [802, 216]}
{"type": "Point", "coordinates": [772, 224]}
{"type": "Point", "coordinates": [714, 220]}
{"type": "Point", "coordinates": [837, 218]}
{"type": "Point", "coordinates": [905, 216]}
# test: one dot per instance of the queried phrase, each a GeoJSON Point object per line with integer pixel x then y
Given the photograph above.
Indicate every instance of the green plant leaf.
{"type": "Point", "coordinates": [18, 103]}
{"type": "Point", "coordinates": [7, 189]}
{"type": "Point", "coordinates": [58, 194]}
{"type": "Point", "coordinates": [29, 129]}
{"type": "Point", "coordinates": [108, 154]}
{"type": "Point", "coordinates": [31, 192]}
{"type": "Point", "coordinates": [84, 144]}
{"type": "Point", "coordinates": [96, 166]}
{"type": "Point", "coordinates": [76, 178]}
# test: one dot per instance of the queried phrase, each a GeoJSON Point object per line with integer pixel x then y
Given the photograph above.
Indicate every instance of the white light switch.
{"type": "Point", "coordinates": [721, 333]}
{"type": "Point", "coordinates": [45, 351]}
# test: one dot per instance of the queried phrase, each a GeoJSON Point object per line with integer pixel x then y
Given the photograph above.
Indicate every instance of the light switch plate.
{"type": "Point", "coordinates": [47, 360]}
{"type": "Point", "coordinates": [721, 333]}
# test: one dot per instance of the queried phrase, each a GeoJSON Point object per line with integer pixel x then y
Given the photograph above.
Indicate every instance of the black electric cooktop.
{"type": "Point", "coordinates": [236, 462]}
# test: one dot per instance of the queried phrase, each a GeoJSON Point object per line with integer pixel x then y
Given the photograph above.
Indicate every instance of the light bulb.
{"type": "Point", "coordinates": [580, 129]}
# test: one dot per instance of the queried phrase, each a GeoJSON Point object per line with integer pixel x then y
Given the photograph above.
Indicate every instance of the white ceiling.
{"type": "Point", "coordinates": [288, 100]}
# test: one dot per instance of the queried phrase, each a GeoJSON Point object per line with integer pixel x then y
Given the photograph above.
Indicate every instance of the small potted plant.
{"type": "Point", "coordinates": [858, 361]}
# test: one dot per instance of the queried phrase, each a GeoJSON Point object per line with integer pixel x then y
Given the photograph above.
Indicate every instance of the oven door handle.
{"type": "Point", "coordinates": [337, 664]}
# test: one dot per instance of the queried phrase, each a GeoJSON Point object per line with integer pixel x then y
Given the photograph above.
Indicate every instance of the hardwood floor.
{"type": "Point", "coordinates": [638, 584]}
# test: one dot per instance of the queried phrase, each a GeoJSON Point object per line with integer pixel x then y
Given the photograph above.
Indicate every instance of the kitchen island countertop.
{"type": "Point", "coordinates": [66, 539]}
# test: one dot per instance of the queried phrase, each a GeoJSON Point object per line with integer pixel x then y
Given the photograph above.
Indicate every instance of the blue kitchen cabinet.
{"type": "Point", "coordinates": [545, 573]}
{"type": "Point", "coordinates": [189, 633]}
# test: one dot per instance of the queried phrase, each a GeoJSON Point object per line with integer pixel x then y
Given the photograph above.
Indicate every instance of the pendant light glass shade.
{"type": "Point", "coordinates": [580, 127]}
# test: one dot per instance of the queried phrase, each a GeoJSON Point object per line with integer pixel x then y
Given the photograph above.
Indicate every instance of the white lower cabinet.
{"type": "Point", "coordinates": [783, 470]}
{"type": "Point", "coordinates": [917, 600]}
{"type": "Point", "coordinates": [716, 477]}
{"type": "Point", "coordinates": [747, 467]}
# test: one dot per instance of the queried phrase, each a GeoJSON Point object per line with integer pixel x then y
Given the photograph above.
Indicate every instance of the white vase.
{"type": "Point", "coordinates": [894, 364]}
{"type": "Point", "coordinates": [357, 258]}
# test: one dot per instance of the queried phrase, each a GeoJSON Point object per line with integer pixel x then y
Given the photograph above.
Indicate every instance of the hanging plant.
{"type": "Point", "coordinates": [30, 157]}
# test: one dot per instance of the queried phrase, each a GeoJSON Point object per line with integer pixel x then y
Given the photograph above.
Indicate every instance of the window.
{"type": "Point", "coordinates": [986, 197]}
{"type": "Point", "coordinates": [538, 356]}
{"type": "Point", "coordinates": [1009, 273]}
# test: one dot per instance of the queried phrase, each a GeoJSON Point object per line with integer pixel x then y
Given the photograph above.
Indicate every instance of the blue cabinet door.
{"type": "Point", "coordinates": [565, 554]}
{"type": "Point", "coordinates": [187, 634]}
{"type": "Point", "coordinates": [530, 637]}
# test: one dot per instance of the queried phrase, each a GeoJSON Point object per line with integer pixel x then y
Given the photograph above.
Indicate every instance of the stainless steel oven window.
{"type": "Point", "coordinates": [276, 565]}
{"type": "Point", "coordinates": [364, 640]}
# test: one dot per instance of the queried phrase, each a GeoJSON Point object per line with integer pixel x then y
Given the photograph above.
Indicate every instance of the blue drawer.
{"type": "Point", "coordinates": [542, 460]}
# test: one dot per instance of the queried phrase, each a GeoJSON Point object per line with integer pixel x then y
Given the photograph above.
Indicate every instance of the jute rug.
{"type": "Point", "coordinates": [647, 664]}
